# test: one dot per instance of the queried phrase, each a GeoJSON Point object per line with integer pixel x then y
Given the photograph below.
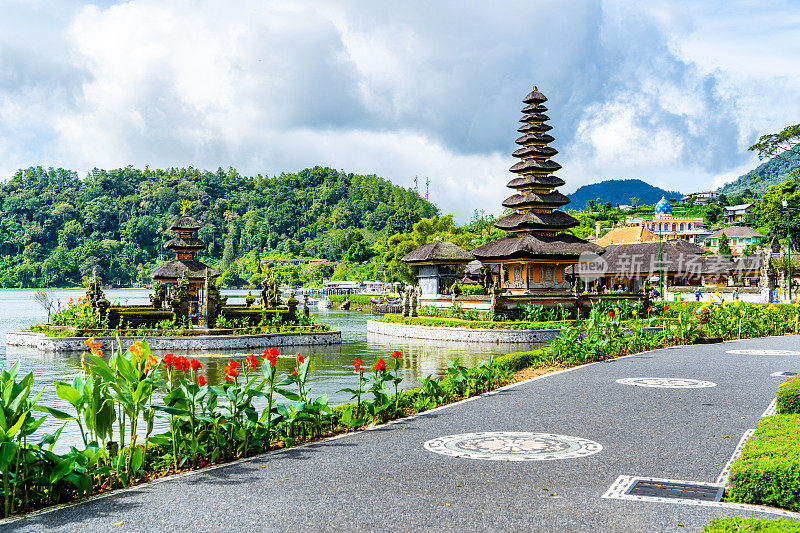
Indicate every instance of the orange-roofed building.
{"type": "Point", "coordinates": [627, 235]}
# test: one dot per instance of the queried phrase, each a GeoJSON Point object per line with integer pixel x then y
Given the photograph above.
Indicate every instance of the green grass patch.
{"type": "Point", "coordinates": [768, 470]}
{"type": "Point", "coordinates": [788, 402]}
{"type": "Point", "coordinates": [765, 525]}
{"type": "Point", "coordinates": [478, 324]}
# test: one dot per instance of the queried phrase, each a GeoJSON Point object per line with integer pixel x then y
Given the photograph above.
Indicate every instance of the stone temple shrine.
{"type": "Point", "coordinates": [185, 273]}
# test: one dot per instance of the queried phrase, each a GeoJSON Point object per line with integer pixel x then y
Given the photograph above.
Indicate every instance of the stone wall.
{"type": "Point", "coordinates": [195, 343]}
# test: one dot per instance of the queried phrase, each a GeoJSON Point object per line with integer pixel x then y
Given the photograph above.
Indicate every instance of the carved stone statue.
{"type": "Point", "coordinates": [95, 296]}
{"type": "Point", "coordinates": [159, 297]}
{"type": "Point", "coordinates": [214, 301]}
{"type": "Point", "coordinates": [270, 291]}
{"type": "Point", "coordinates": [414, 301]}
{"type": "Point", "coordinates": [292, 304]}
{"type": "Point", "coordinates": [306, 311]}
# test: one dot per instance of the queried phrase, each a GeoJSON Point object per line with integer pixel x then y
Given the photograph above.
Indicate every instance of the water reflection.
{"type": "Point", "coordinates": [331, 369]}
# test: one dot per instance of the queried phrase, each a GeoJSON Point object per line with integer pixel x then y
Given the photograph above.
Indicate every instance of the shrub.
{"type": "Point", "coordinates": [472, 290]}
{"type": "Point", "coordinates": [756, 525]}
{"type": "Point", "coordinates": [788, 402]}
{"type": "Point", "coordinates": [768, 470]}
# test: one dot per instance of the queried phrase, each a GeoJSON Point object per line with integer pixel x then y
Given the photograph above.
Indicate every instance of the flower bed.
{"type": "Point", "coordinates": [768, 470]}
{"type": "Point", "coordinates": [65, 331]}
{"type": "Point", "coordinates": [464, 323]}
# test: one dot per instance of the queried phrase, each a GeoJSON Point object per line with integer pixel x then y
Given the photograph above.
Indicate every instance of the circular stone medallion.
{"type": "Point", "coordinates": [667, 383]}
{"type": "Point", "coordinates": [764, 352]}
{"type": "Point", "coordinates": [512, 446]}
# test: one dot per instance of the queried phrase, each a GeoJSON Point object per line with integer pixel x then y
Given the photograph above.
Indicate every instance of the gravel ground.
{"type": "Point", "coordinates": [385, 480]}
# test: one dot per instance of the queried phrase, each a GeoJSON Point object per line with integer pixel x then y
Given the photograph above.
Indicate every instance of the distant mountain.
{"type": "Point", "coordinates": [619, 192]}
{"type": "Point", "coordinates": [776, 170]}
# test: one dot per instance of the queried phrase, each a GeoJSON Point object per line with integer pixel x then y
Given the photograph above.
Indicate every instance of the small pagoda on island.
{"type": "Point", "coordinates": [533, 259]}
{"type": "Point", "coordinates": [184, 274]}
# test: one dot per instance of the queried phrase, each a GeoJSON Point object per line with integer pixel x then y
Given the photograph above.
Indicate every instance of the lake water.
{"type": "Point", "coordinates": [331, 370]}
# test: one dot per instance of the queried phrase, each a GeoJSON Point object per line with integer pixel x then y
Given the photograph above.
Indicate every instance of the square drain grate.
{"type": "Point", "coordinates": [676, 490]}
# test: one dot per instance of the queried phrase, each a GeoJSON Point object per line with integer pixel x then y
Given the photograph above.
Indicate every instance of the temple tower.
{"type": "Point", "coordinates": [534, 257]}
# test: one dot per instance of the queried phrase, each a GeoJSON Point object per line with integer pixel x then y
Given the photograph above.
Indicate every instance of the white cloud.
{"type": "Point", "coordinates": [672, 94]}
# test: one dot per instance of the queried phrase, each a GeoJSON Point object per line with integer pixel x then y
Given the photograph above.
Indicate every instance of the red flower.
{"type": "Point", "coordinates": [380, 365]}
{"type": "Point", "coordinates": [300, 358]}
{"type": "Point", "coordinates": [195, 365]}
{"type": "Point", "coordinates": [666, 307]}
{"type": "Point", "coordinates": [357, 364]}
{"type": "Point", "coordinates": [272, 356]}
{"type": "Point", "coordinates": [169, 360]}
{"type": "Point", "coordinates": [649, 309]}
{"type": "Point", "coordinates": [201, 381]}
{"type": "Point", "coordinates": [396, 354]}
{"type": "Point", "coordinates": [579, 311]}
{"type": "Point", "coordinates": [252, 361]}
{"type": "Point", "coordinates": [611, 314]}
{"type": "Point", "coordinates": [294, 372]}
{"type": "Point", "coordinates": [230, 370]}
{"type": "Point", "coordinates": [181, 363]}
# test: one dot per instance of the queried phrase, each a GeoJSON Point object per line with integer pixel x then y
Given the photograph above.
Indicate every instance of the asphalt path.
{"type": "Point", "coordinates": [384, 479]}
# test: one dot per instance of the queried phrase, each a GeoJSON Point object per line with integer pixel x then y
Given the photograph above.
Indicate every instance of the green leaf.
{"type": "Point", "coordinates": [62, 469]}
{"type": "Point", "coordinates": [7, 451]}
{"type": "Point", "coordinates": [137, 459]}
{"type": "Point", "coordinates": [55, 413]}
{"type": "Point", "coordinates": [101, 368]}
{"type": "Point", "coordinates": [289, 395]}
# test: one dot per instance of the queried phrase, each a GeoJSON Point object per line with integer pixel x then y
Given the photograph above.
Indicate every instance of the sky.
{"type": "Point", "coordinates": [669, 92]}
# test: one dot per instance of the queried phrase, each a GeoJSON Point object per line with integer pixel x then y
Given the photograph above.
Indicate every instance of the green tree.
{"type": "Point", "coordinates": [724, 246]}
{"type": "Point", "coordinates": [780, 145]}
{"type": "Point", "coordinates": [425, 231]}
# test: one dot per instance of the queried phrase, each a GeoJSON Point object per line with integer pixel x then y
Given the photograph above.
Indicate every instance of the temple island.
{"type": "Point", "coordinates": [530, 265]}
{"type": "Point", "coordinates": [187, 311]}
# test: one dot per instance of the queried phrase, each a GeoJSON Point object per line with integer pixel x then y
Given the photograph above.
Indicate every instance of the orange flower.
{"type": "Point", "coordinates": [136, 349]}
{"type": "Point", "coordinates": [396, 354]}
{"type": "Point", "coordinates": [152, 362]}
{"type": "Point", "coordinates": [89, 341]}
{"type": "Point", "coordinates": [300, 358]}
{"type": "Point", "coordinates": [380, 365]}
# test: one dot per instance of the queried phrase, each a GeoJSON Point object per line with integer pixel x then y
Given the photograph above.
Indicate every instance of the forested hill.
{"type": "Point", "coordinates": [758, 180]}
{"type": "Point", "coordinates": [619, 192]}
{"type": "Point", "coordinates": [57, 227]}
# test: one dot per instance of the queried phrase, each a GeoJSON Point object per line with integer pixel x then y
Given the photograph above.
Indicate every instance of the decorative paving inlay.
{"type": "Point", "coordinates": [512, 446]}
{"type": "Point", "coordinates": [667, 383]}
{"type": "Point", "coordinates": [764, 352]}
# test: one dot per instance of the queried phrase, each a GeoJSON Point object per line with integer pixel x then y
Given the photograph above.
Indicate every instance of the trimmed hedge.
{"type": "Point", "coordinates": [768, 470]}
{"type": "Point", "coordinates": [760, 525]}
{"type": "Point", "coordinates": [788, 402]}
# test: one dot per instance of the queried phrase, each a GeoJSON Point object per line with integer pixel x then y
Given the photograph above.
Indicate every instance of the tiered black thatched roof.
{"type": "Point", "coordinates": [185, 246]}
{"type": "Point", "coordinates": [536, 222]}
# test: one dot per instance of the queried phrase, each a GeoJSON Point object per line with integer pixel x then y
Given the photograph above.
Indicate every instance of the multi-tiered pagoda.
{"type": "Point", "coordinates": [534, 257]}
{"type": "Point", "coordinates": [185, 246]}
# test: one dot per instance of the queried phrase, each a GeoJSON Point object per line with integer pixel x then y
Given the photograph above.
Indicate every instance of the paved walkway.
{"type": "Point", "coordinates": [385, 479]}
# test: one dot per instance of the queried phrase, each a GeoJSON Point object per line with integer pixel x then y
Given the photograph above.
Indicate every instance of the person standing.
{"type": "Point", "coordinates": [736, 294]}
